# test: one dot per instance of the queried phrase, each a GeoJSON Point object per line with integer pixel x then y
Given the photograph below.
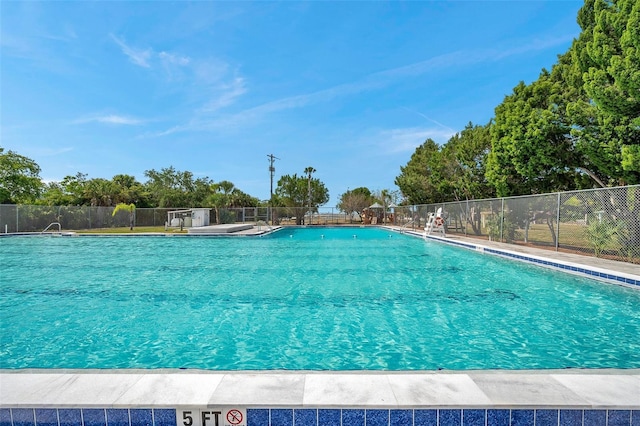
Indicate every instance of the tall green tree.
{"type": "Point", "coordinates": [71, 191]}
{"type": "Point", "coordinates": [19, 179]}
{"type": "Point", "coordinates": [612, 76]}
{"type": "Point", "coordinates": [129, 191]}
{"type": "Point", "coordinates": [293, 191]}
{"type": "Point", "coordinates": [355, 201]}
{"type": "Point", "coordinates": [418, 180]}
{"type": "Point", "coordinates": [532, 150]}
{"type": "Point", "coordinates": [465, 159]}
{"type": "Point", "coordinates": [606, 118]}
{"type": "Point", "coordinates": [172, 188]}
{"type": "Point", "coordinates": [100, 192]}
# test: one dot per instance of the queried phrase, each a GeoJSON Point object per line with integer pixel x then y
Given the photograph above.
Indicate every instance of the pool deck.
{"type": "Point", "coordinates": [616, 393]}
{"type": "Point", "coordinates": [587, 261]}
{"type": "Point", "coordinates": [575, 389]}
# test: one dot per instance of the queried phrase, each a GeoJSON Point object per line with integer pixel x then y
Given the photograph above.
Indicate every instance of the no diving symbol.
{"type": "Point", "coordinates": [234, 417]}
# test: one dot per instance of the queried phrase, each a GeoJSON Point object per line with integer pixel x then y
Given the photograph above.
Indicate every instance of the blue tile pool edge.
{"type": "Point", "coordinates": [323, 417]}
{"type": "Point", "coordinates": [608, 276]}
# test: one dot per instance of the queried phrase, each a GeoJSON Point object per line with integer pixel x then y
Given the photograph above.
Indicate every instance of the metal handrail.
{"type": "Point", "coordinates": [407, 224]}
{"type": "Point", "coordinates": [260, 222]}
{"type": "Point", "coordinates": [50, 225]}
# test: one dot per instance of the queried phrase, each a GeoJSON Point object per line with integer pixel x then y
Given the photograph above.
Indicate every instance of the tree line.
{"type": "Point", "coordinates": [20, 183]}
{"type": "Point", "coordinates": [575, 127]}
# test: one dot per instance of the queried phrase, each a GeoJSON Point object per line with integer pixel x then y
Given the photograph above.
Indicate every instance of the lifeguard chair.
{"type": "Point", "coordinates": [435, 223]}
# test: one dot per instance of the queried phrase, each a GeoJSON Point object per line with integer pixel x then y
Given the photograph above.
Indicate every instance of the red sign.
{"type": "Point", "coordinates": [234, 417]}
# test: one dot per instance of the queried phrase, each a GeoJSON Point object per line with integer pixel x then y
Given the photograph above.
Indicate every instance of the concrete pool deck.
{"type": "Point", "coordinates": [560, 389]}
{"type": "Point", "coordinates": [270, 398]}
{"type": "Point", "coordinates": [489, 397]}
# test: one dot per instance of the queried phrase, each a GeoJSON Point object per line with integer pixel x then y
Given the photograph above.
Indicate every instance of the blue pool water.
{"type": "Point", "coordinates": [304, 299]}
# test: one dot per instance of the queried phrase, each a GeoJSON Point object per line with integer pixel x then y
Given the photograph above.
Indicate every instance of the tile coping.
{"type": "Point", "coordinates": [553, 389]}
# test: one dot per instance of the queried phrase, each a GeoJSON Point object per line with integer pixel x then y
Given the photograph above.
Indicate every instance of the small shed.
{"type": "Point", "coordinates": [199, 217]}
{"type": "Point", "coordinates": [192, 218]}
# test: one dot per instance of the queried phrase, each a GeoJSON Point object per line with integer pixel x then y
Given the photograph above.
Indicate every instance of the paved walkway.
{"type": "Point", "coordinates": [591, 261]}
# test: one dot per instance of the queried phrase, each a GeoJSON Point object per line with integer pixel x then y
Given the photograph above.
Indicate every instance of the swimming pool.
{"type": "Point", "coordinates": [301, 299]}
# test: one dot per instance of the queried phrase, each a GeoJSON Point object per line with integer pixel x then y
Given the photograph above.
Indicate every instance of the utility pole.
{"type": "Point", "coordinates": [272, 170]}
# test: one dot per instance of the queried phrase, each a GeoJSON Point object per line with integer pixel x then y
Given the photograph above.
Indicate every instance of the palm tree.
{"type": "Point", "coordinates": [221, 196]}
{"type": "Point", "coordinates": [309, 171]}
{"type": "Point", "coordinates": [131, 208]}
{"type": "Point", "coordinates": [385, 198]}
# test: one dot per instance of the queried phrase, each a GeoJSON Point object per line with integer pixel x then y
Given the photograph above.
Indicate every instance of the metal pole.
{"type": "Point", "coordinates": [272, 171]}
{"type": "Point", "coordinates": [466, 219]}
{"type": "Point", "coordinates": [309, 196]}
{"type": "Point", "coordinates": [558, 223]}
{"type": "Point", "coordinates": [501, 219]}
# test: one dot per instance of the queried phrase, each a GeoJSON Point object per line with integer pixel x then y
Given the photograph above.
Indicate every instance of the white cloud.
{"type": "Point", "coordinates": [225, 94]}
{"type": "Point", "coordinates": [381, 79]}
{"type": "Point", "coordinates": [110, 119]}
{"type": "Point", "coordinates": [169, 58]}
{"type": "Point", "coordinates": [173, 65]}
{"type": "Point", "coordinates": [118, 119]}
{"type": "Point", "coordinates": [147, 57]}
{"type": "Point", "coordinates": [137, 56]}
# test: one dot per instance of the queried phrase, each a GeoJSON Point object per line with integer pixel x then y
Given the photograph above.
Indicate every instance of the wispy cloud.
{"type": "Point", "coordinates": [533, 46]}
{"type": "Point", "coordinates": [110, 119]}
{"type": "Point", "coordinates": [385, 78]}
{"type": "Point", "coordinates": [373, 81]}
{"type": "Point", "coordinates": [171, 58]}
{"type": "Point", "coordinates": [139, 57]}
{"type": "Point", "coordinates": [396, 141]}
{"type": "Point", "coordinates": [447, 128]}
{"type": "Point", "coordinates": [148, 58]}
{"type": "Point", "coordinates": [225, 94]}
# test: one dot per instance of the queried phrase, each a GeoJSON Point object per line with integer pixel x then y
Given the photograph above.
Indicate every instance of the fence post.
{"type": "Point", "coordinates": [466, 217]}
{"type": "Point", "coordinates": [17, 217]}
{"type": "Point", "coordinates": [501, 219]}
{"type": "Point", "coordinates": [558, 224]}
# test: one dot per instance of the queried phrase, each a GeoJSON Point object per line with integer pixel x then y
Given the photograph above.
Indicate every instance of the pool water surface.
{"type": "Point", "coordinates": [301, 299]}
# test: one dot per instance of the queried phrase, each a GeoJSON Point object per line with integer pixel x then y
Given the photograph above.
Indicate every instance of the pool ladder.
{"type": "Point", "coordinates": [262, 222]}
{"type": "Point", "coordinates": [52, 224]}
{"type": "Point", "coordinates": [405, 227]}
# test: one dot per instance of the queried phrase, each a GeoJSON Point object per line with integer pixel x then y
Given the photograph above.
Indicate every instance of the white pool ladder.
{"type": "Point", "coordinates": [405, 227]}
{"type": "Point", "coordinates": [262, 222]}
{"type": "Point", "coordinates": [52, 224]}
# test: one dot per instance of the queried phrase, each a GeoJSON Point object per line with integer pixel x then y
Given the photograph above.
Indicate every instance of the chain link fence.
{"type": "Point", "coordinates": [600, 222]}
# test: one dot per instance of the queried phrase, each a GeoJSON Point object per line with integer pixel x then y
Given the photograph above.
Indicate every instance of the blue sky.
{"type": "Point", "coordinates": [349, 88]}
